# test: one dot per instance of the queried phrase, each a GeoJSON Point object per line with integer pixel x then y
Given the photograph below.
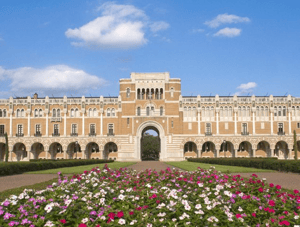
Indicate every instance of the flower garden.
{"type": "Point", "coordinates": [105, 197]}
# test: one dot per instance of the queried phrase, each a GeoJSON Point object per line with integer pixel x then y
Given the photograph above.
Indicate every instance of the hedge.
{"type": "Point", "coordinates": [260, 163]}
{"type": "Point", "coordinates": [21, 167]}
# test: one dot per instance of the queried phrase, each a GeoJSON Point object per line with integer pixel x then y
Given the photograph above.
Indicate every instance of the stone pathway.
{"type": "Point", "coordinates": [157, 165]}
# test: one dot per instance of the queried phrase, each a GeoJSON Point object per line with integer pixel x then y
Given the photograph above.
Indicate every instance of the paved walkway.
{"type": "Point", "coordinates": [157, 165]}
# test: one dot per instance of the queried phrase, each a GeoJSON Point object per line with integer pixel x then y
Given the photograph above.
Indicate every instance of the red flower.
{"type": "Point", "coordinates": [278, 186]}
{"type": "Point", "coordinates": [120, 214]}
{"type": "Point", "coordinates": [98, 225]}
{"type": "Point", "coordinates": [238, 216]}
{"type": "Point", "coordinates": [254, 175]}
{"type": "Point", "coordinates": [272, 220]}
{"type": "Point", "coordinates": [284, 223]}
{"type": "Point", "coordinates": [157, 201]}
{"type": "Point", "coordinates": [296, 191]}
{"type": "Point", "coordinates": [111, 215]}
{"type": "Point", "coordinates": [260, 190]}
{"type": "Point", "coordinates": [130, 212]}
{"type": "Point", "coordinates": [63, 221]}
{"type": "Point", "coordinates": [271, 185]}
{"type": "Point", "coordinates": [271, 203]}
{"type": "Point", "coordinates": [254, 215]}
{"type": "Point", "coordinates": [82, 225]}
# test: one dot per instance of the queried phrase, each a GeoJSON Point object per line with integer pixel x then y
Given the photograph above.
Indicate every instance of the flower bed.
{"type": "Point", "coordinates": [149, 198]}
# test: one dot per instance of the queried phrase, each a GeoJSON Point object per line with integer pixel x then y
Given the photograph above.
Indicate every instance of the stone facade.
{"type": "Point", "coordinates": [112, 127]}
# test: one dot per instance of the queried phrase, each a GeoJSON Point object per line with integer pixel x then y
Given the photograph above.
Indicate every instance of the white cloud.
{"type": "Point", "coordinates": [198, 30]}
{"type": "Point", "coordinates": [229, 32]}
{"type": "Point", "coordinates": [159, 26]}
{"type": "Point", "coordinates": [58, 78]}
{"type": "Point", "coordinates": [226, 19]}
{"type": "Point", "coordinates": [246, 88]}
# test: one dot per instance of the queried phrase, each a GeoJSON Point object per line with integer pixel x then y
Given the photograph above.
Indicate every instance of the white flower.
{"type": "Point", "coordinates": [296, 217]}
{"type": "Point", "coordinates": [187, 207]}
{"type": "Point", "coordinates": [85, 220]}
{"type": "Point", "coordinates": [133, 222]}
{"type": "Point", "coordinates": [161, 214]}
{"type": "Point", "coordinates": [240, 209]}
{"type": "Point", "coordinates": [122, 221]}
{"type": "Point", "coordinates": [49, 223]}
{"type": "Point", "coordinates": [121, 197]}
{"type": "Point", "coordinates": [149, 225]}
{"type": "Point", "coordinates": [102, 200]}
{"type": "Point", "coordinates": [198, 206]}
{"type": "Point", "coordinates": [174, 219]}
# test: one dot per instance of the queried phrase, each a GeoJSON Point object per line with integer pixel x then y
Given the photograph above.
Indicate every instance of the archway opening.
{"type": "Point", "coordinates": [150, 144]}
{"type": "Point", "coordinates": [92, 151]}
{"type": "Point", "coordinates": [226, 149]}
{"type": "Point", "coordinates": [19, 152]}
{"type": "Point", "coordinates": [245, 149]}
{"type": "Point", "coordinates": [281, 150]}
{"type": "Point", "coordinates": [2, 152]}
{"type": "Point", "coordinates": [38, 151]}
{"type": "Point", "coordinates": [110, 151]}
{"type": "Point", "coordinates": [74, 151]}
{"type": "Point", "coordinates": [190, 150]}
{"type": "Point", "coordinates": [208, 150]}
{"type": "Point", "coordinates": [56, 151]}
{"type": "Point", "coordinates": [263, 149]}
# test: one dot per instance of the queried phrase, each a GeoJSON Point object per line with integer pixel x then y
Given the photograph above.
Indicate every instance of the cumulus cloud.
{"type": "Point", "coordinates": [226, 19]}
{"type": "Point", "coordinates": [159, 26]}
{"type": "Point", "coordinates": [246, 88]}
{"type": "Point", "coordinates": [119, 26]}
{"type": "Point", "coordinates": [228, 32]}
{"type": "Point", "coordinates": [58, 78]}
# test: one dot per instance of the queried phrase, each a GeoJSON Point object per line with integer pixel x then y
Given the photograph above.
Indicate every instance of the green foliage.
{"type": "Point", "coordinates": [150, 147]}
{"type": "Point", "coordinates": [6, 147]}
{"type": "Point", "coordinates": [295, 145]}
{"type": "Point", "coordinates": [21, 167]}
{"type": "Point", "coordinates": [259, 163]}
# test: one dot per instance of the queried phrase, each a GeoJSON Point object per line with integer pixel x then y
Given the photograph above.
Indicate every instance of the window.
{"type": "Point", "coordinates": [1, 129]}
{"type": "Point", "coordinates": [190, 126]}
{"type": "Point", "coordinates": [279, 111]}
{"type": "Point", "coordinates": [172, 92]}
{"type": "Point", "coordinates": [18, 113]}
{"type": "Point", "coordinates": [298, 125]}
{"type": "Point", "coordinates": [54, 113]}
{"type": "Point", "coordinates": [148, 110]}
{"type": "Point", "coordinates": [40, 113]}
{"type": "Point", "coordinates": [20, 129]}
{"type": "Point", "coordinates": [108, 112]}
{"type": "Point", "coordinates": [128, 122]}
{"type": "Point", "coordinates": [138, 111]}
{"type": "Point", "coordinates": [110, 129]}
{"type": "Point", "coordinates": [95, 112]}
{"type": "Point", "coordinates": [90, 113]}
{"type": "Point", "coordinates": [161, 111]}
{"type": "Point", "coordinates": [0, 113]}
{"type": "Point", "coordinates": [36, 114]}
{"type": "Point", "coordinates": [76, 113]}
{"type": "Point", "coordinates": [113, 112]}
{"type": "Point", "coordinates": [55, 129]}
{"type": "Point", "coordinates": [275, 111]}
{"type": "Point", "coordinates": [58, 113]}
{"type": "Point", "coordinates": [280, 127]}
{"type": "Point", "coordinates": [72, 113]}
{"type": "Point", "coordinates": [22, 113]}
{"type": "Point", "coordinates": [128, 93]}
{"type": "Point", "coordinates": [74, 128]}
{"type": "Point", "coordinates": [152, 110]}
{"type": "Point", "coordinates": [92, 129]}
{"type": "Point", "coordinates": [4, 113]}
{"type": "Point", "coordinates": [37, 128]}
{"type": "Point", "coordinates": [172, 125]}
{"type": "Point", "coordinates": [284, 111]}
{"type": "Point", "coordinates": [244, 128]}
{"type": "Point", "coordinates": [208, 128]}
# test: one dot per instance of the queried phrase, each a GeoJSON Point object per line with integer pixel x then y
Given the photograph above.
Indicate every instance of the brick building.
{"type": "Point", "coordinates": [113, 127]}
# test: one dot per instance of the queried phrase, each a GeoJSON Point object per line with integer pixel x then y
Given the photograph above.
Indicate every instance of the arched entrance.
{"type": "Point", "coordinates": [150, 144]}
{"type": "Point", "coordinates": [19, 152]}
{"type": "Point", "coordinates": [281, 150]}
{"type": "Point", "coordinates": [226, 149]}
{"type": "Point", "coordinates": [190, 150]}
{"type": "Point", "coordinates": [74, 151]}
{"type": "Point", "coordinates": [38, 151]}
{"type": "Point", "coordinates": [161, 134]}
{"type": "Point", "coordinates": [2, 152]}
{"type": "Point", "coordinates": [263, 149]}
{"type": "Point", "coordinates": [208, 150]}
{"type": "Point", "coordinates": [245, 149]}
{"type": "Point", "coordinates": [56, 151]}
{"type": "Point", "coordinates": [110, 151]}
{"type": "Point", "coordinates": [92, 151]}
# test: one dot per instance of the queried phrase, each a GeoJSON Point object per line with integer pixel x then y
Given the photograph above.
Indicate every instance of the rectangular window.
{"type": "Point", "coordinates": [110, 129]}
{"type": "Point", "coordinates": [56, 131]}
{"type": "Point", "coordinates": [190, 126]}
{"type": "Point", "coordinates": [128, 122]}
{"type": "Point", "coordinates": [262, 125]}
{"type": "Point", "coordinates": [280, 127]}
{"type": "Point", "coordinates": [1, 129]}
{"type": "Point", "coordinates": [208, 128]}
{"type": "Point", "coordinates": [298, 125]}
{"type": "Point", "coordinates": [244, 125]}
{"type": "Point", "coordinates": [172, 125]}
{"type": "Point", "coordinates": [37, 128]}
{"type": "Point", "coordinates": [74, 128]}
{"type": "Point", "coordinates": [20, 129]}
{"type": "Point", "coordinates": [226, 126]}
{"type": "Point", "coordinates": [92, 129]}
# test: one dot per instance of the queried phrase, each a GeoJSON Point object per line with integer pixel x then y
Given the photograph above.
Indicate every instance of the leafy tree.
{"type": "Point", "coordinates": [150, 147]}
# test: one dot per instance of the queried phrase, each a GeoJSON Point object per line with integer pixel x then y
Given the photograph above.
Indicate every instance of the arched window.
{"type": "Point", "coordinates": [127, 92]}
{"type": "Point", "coordinates": [58, 113]}
{"type": "Point", "coordinates": [72, 113]}
{"type": "Point", "coordinates": [4, 113]}
{"type": "Point", "coordinates": [248, 111]}
{"type": "Point", "coordinates": [22, 113]}
{"type": "Point", "coordinates": [36, 114]}
{"type": "Point", "coordinates": [207, 112]}
{"type": "Point", "coordinates": [18, 113]}
{"type": "Point", "coordinates": [244, 111]}
{"type": "Point", "coordinates": [221, 112]}
{"type": "Point", "coordinates": [95, 112]}
{"type": "Point", "coordinates": [230, 111]}
{"type": "Point", "coordinates": [298, 112]}
{"type": "Point", "coordinates": [185, 114]}
{"type": "Point", "coordinates": [240, 111]}
{"type": "Point", "coordinates": [172, 92]}
{"type": "Point", "coordinates": [194, 113]}
{"type": "Point", "coordinates": [0, 113]}
{"type": "Point", "coordinates": [54, 113]}
{"type": "Point", "coordinates": [76, 113]}
{"type": "Point", "coordinates": [161, 111]}
{"type": "Point", "coordinates": [113, 112]}
{"type": "Point", "coordinates": [108, 112]}
{"type": "Point", "coordinates": [284, 111]}
{"type": "Point", "coordinates": [279, 111]}
{"type": "Point", "coordinates": [138, 111]}
{"type": "Point", "coordinates": [90, 113]}
{"type": "Point", "coordinates": [212, 114]}
{"type": "Point", "coordinates": [40, 113]}
{"type": "Point", "coordinates": [257, 111]}
{"type": "Point", "coordinates": [148, 110]}
{"type": "Point", "coordinates": [266, 111]}
{"type": "Point", "coordinates": [262, 111]}
{"type": "Point", "coordinates": [189, 113]}
{"type": "Point", "coordinates": [226, 111]}
{"type": "Point", "coordinates": [152, 110]}
{"type": "Point", "coordinates": [275, 111]}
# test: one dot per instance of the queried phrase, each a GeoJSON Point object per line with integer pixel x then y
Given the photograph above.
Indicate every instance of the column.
{"type": "Point", "coordinates": [101, 124]}
{"type": "Point", "coordinates": [235, 123]}
{"type": "Point", "coordinates": [28, 127]}
{"type": "Point", "coordinates": [253, 152]}
{"type": "Point", "coordinates": [83, 154]}
{"type": "Point", "coordinates": [271, 123]}
{"type": "Point", "coordinates": [199, 130]}
{"type": "Point", "coordinates": [47, 124]}
{"type": "Point", "coordinates": [253, 123]}
{"type": "Point", "coordinates": [218, 153]}
{"type": "Point", "coordinates": [217, 116]}
{"type": "Point", "coordinates": [290, 126]}
{"type": "Point", "coordinates": [82, 124]}
{"type": "Point", "coordinates": [65, 125]}
{"type": "Point", "coordinates": [235, 152]}
{"type": "Point", "coordinates": [47, 151]}
{"type": "Point", "coordinates": [10, 125]}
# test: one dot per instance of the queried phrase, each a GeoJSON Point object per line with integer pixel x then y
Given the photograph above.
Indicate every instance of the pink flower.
{"type": "Point", "coordinates": [278, 186]}
{"type": "Point", "coordinates": [111, 215]}
{"type": "Point", "coordinates": [254, 215]}
{"type": "Point", "coordinates": [120, 214]}
{"type": "Point", "coordinates": [238, 216]}
{"type": "Point", "coordinates": [130, 212]}
{"type": "Point", "coordinates": [63, 221]}
{"type": "Point", "coordinates": [271, 203]}
{"type": "Point", "coordinates": [296, 191]}
{"type": "Point", "coordinates": [284, 223]}
{"type": "Point", "coordinates": [260, 190]}
{"type": "Point", "coordinates": [82, 225]}
{"type": "Point", "coordinates": [271, 185]}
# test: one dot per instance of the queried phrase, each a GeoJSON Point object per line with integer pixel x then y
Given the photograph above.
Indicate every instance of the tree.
{"type": "Point", "coordinates": [150, 147]}
{"type": "Point", "coordinates": [6, 147]}
{"type": "Point", "coordinates": [295, 145]}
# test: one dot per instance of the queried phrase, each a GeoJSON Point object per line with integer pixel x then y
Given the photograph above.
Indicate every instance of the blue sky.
{"type": "Point", "coordinates": [84, 47]}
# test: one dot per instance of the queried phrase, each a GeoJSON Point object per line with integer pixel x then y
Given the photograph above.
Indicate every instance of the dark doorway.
{"type": "Point", "coordinates": [150, 144]}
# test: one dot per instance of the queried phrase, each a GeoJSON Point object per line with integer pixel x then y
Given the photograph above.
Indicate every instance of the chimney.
{"type": "Point", "coordinates": [35, 96]}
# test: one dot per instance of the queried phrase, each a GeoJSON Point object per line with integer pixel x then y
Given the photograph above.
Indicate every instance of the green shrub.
{"type": "Point", "coordinates": [259, 163]}
{"type": "Point", "coordinates": [21, 167]}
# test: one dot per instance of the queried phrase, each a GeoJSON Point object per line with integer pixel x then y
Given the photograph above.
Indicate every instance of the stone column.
{"type": "Point", "coordinates": [253, 123]}
{"type": "Point", "coordinates": [83, 154]}
{"type": "Point", "coordinates": [82, 124]}
{"type": "Point", "coordinates": [101, 124]}
{"type": "Point", "coordinates": [217, 153]}
{"type": "Point", "coordinates": [271, 123]}
{"type": "Point", "coordinates": [65, 125]}
{"type": "Point", "coordinates": [217, 116]}
{"type": "Point", "coordinates": [28, 126]}
{"type": "Point", "coordinates": [199, 129]}
{"type": "Point", "coordinates": [47, 124]}
{"type": "Point", "coordinates": [290, 126]}
{"type": "Point", "coordinates": [10, 125]}
{"type": "Point", "coordinates": [235, 123]}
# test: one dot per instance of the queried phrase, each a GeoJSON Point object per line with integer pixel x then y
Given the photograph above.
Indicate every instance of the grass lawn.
{"type": "Point", "coordinates": [80, 169]}
{"type": "Point", "coordinates": [191, 166]}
